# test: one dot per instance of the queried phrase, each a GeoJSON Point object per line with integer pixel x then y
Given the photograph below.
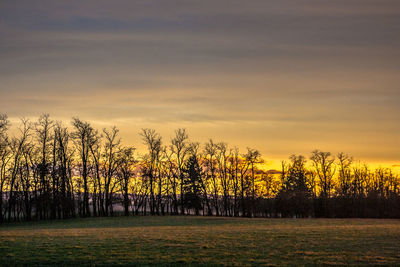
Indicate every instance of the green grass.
{"type": "Point", "coordinates": [201, 241]}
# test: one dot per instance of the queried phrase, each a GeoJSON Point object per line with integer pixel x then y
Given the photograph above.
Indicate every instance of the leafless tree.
{"type": "Point", "coordinates": [64, 154]}
{"type": "Point", "coordinates": [81, 137]}
{"type": "Point", "coordinates": [110, 157]}
{"type": "Point", "coordinates": [5, 157]}
{"type": "Point", "coordinates": [125, 170]}
{"type": "Point", "coordinates": [180, 148]}
{"type": "Point", "coordinates": [17, 147]}
{"type": "Point", "coordinates": [324, 168]}
{"type": "Point", "coordinates": [210, 161]}
{"type": "Point", "coordinates": [344, 178]}
{"type": "Point", "coordinates": [153, 141]}
{"type": "Point", "coordinates": [253, 157]}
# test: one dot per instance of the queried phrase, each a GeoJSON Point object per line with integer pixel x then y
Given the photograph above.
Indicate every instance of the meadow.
{"type": "Point", "coordinates": [191, 240]}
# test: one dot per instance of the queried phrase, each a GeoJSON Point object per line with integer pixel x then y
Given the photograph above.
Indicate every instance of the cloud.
{"type": "Point", "coordinates": [284, 75]}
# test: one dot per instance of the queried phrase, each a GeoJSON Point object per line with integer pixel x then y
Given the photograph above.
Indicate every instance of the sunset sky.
{"type": "Point", "coordinates": [283, 77]}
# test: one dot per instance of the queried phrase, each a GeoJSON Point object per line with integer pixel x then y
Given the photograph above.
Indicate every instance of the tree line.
{"type": "Point", "coordinates": [51, 171]}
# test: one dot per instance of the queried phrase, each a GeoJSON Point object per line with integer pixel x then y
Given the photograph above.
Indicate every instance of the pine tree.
{"type": "Point", "coordinates": [294, 198]}
{"type": "Point", "coordinates": [192, 189]}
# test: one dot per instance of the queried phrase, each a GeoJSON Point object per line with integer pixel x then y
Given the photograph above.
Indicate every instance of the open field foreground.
{"type": "Point", "coordinates": [201, 241]}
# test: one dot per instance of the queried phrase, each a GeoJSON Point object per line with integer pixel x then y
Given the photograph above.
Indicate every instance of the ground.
{"type": "Point", "coordinates": [170, 240]}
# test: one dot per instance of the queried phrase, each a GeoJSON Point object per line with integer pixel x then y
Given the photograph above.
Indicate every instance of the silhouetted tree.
{"type": "Point", "coordinates": [253, 157]}
{"type": "Point", "coordinates": [17, 146]}
{"type": "Point", "coordinates": [64, 155]}
{"type": "Point", "coordinates": [192, 188]}
{"type": "Point", "coordinates": [5, 157]}
{"type": "Point", "coordinates": [153, 142]}
{"type": "Point", "coordinates": [180, 148]}
{"type": "Point", "coordinates": [294, 198]}
{"type": "Point", "coordinates": [210, 153]}
{"type": "Point", "coordinates": [81, 136]}
{"type": "Point", "coordinates": [126, 164]}
{"type": "Point", "coordinates": [324, 168]}
{"type": "Point", "coordinates": [110, 157]}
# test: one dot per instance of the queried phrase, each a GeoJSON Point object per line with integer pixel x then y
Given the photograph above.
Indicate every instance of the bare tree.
{"type": "Point", "coordinates": [5, 157]}
{"type": "Point", "coordinates": [17, 147]}
{"type": "Point", "coordinates": [111, 151]}
{"type": "Point", "coordinates": [222, 161]}
{"type": "Point", "coordinates": [44, 138]}
{"type": "Point", "coordinates": [180, 148]}
{"type": "Point", "coordinates": [253, 157]}
{"type": "Point", "coordinates": [344, 179]}
{"type": "Point", "coordinates": [63, 157]}
{"type": "Point", "coordinates": [81, 136]}
{"type": "Point", "coordinates": [153, 142]}
{"type": "Point", "coordinates": [125, 171]}
{"type": "Point", "coordinates": [95, 148]}
{"type": "Point", "coordinates": [234, 161]}
{"type": "Point", "coordinates": [244, 166]}
{"type": "Point", "coordinates": [210, 161]}
{"type": "Point", "coordinates": [25, 179]}
{"type": "Point", "coordinates": [324, 168]}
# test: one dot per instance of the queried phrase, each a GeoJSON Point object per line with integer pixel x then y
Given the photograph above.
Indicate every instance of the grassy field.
{"type": "Point", "coordinates": [201, 241]}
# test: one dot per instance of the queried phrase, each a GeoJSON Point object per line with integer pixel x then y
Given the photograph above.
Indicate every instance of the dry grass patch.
{"type": "Point", "coordinates": [201, 240]}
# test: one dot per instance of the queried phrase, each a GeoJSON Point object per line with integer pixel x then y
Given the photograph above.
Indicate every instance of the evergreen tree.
{"type": "Point", "coordinates": [192, 188]}
{"type": "Point", "coordinates": [294, 198]}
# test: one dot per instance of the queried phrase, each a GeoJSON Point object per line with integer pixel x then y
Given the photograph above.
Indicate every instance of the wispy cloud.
{"type": "Point", "coordinates": [280, 75]}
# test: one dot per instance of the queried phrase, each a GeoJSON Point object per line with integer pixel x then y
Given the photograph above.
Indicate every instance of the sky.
{"type": "Point", "coordinates": [284, 77]}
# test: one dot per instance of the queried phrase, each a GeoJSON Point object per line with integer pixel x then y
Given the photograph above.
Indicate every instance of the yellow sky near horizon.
{"type": "Point", "coordinates": [130, 137]}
